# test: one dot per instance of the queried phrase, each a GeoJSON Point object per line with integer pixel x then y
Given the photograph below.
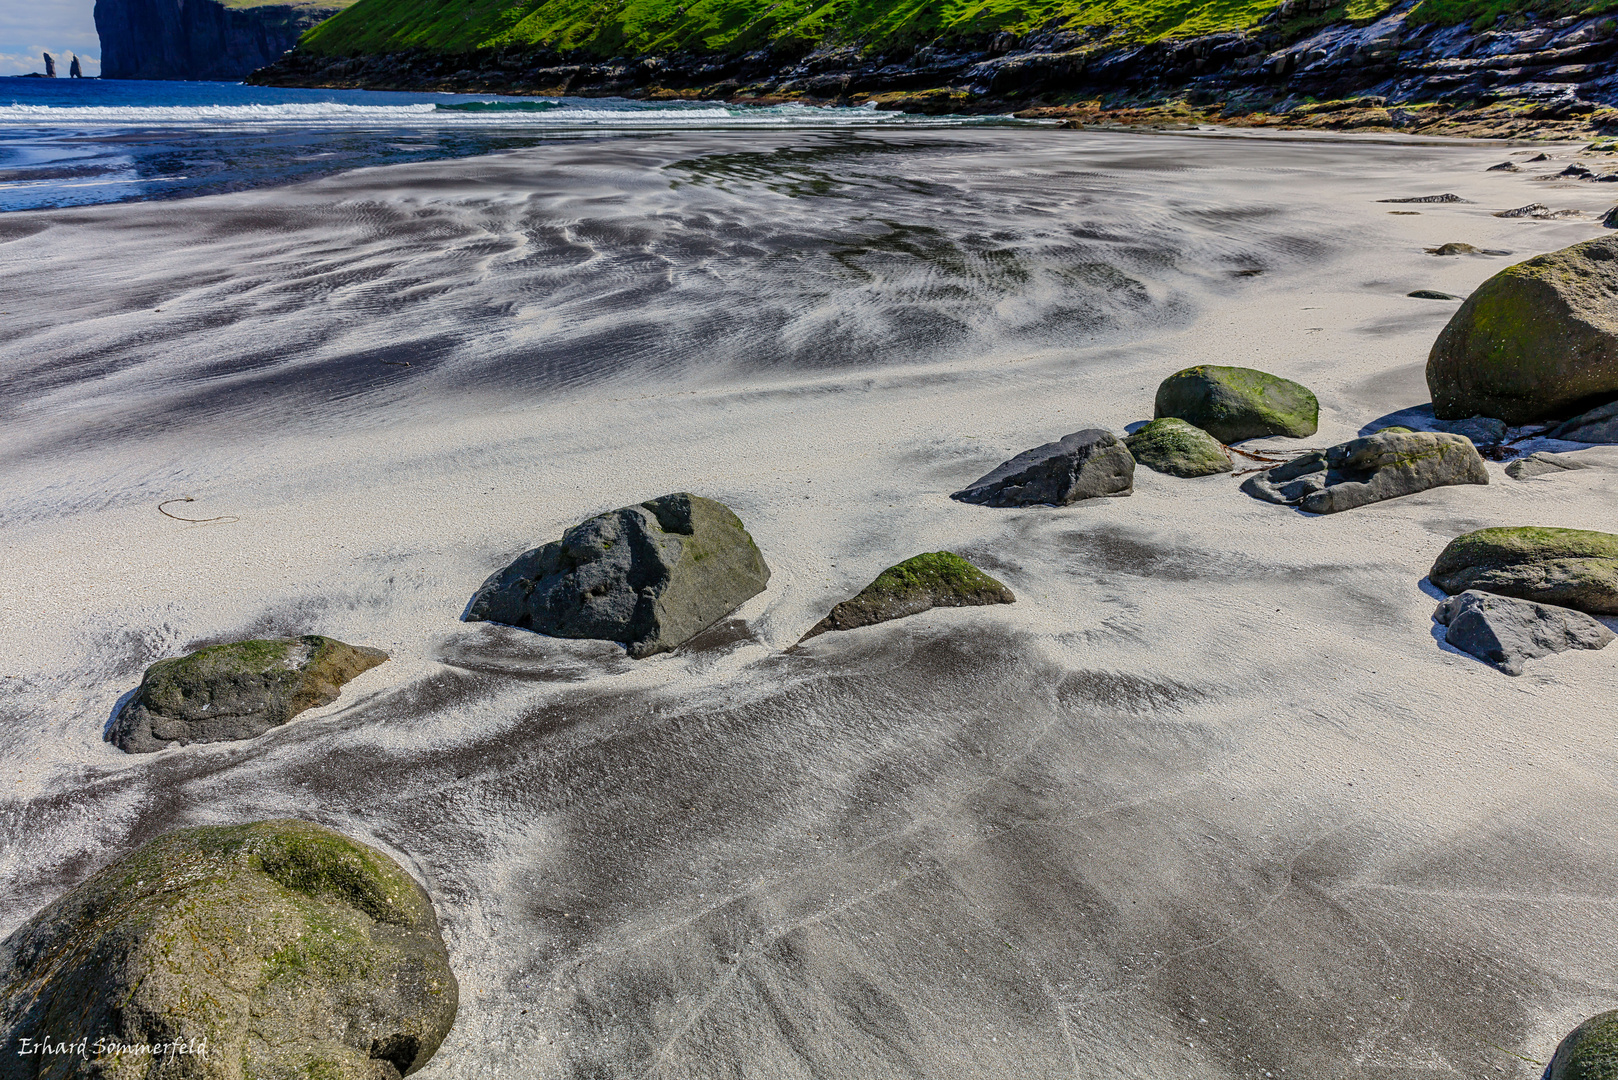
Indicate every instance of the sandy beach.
{"type": "Point", "coordinates": [1211, 799]}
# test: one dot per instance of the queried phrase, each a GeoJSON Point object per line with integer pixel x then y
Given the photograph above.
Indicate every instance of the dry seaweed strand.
{"type": "Point", "coordinates": [224, 518]}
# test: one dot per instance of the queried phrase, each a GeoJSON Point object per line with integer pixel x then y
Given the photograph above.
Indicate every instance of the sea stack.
{"type": "Point", "coordinates": [74, 71]}
{"type": "Point", "coordinates": [50, 66]}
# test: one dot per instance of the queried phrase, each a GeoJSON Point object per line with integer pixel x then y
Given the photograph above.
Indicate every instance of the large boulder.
{"type": "Point", "coordinates": [1178, 448]}
{"type": "Point", "coordinates": [235, 691]}
{"type": "Point", "coordinates": [1537, 341]}
{"type": "Point", "coordinates": [921, 582]}
{"type": "Point", "coordinates": [1576, 568]}
{"type": "Point", "coordinates": [1235, 403]}
{"type": "Point", "coordinates": [274, 949]}
{"type": "Point", "coordinates": [1369, 470]}
{"type": "Point", "coordinates": [1507, 632]}
{"type": "Point", "coordinates": [1599, 425]}
{"type": "Point", "coordinates": [651, 576]}
{"type": "Point", "coordinates": [1083, 465]}
{"type": "Point", "coordinates": [1590, 1051]}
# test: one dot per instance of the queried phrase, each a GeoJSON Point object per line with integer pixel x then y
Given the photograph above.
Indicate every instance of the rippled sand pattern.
{"type": "Point", "coordinates": [1208, 801]}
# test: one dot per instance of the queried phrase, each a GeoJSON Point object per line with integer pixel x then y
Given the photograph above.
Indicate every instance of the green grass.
{"type": "Point", "coordinates": [660, 27]}
{"type": "Point", "coordinates": [1482, 14]}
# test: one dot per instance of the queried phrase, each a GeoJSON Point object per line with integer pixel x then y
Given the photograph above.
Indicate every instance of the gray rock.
{"type": "Point", "coordinates": [651, 576]}
{"type": "Point", "coordinates": [74, 70]}
{"type": "Point", "coordinates": [272, 949]}
{"type": "Point", "coordinates": [1507, 632]}
{"type": "Point", "coordinates": [50, 66]}
{"type": "Point", "coordinates": [1599, 425]}
{"type": "Point", "coordinates": [1432, 294]}
{"type": "Point", "coordinates": [1504, 166]}
{"type": "Point", "coordinates": [1482, 430]}
{"type": "Point", "coordinates": [1084, 465]}
{"type": "Point", "coordinates": [1537, 210]}
{"type": "Point", "coordinates": [235, 691]}
{"type": "Point", "coordinates": [1445, 198]}
{"type": "Point", "coordinates": [1544, 463]}
{"type": "Point", "coordinates": [1454, 248]}
{"type": "Point", "coordinates": [1364, 471]}
{"type": "Point", "coordinates": [1576, 568]}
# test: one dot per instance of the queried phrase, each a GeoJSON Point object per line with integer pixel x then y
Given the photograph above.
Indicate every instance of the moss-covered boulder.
{"type": "Point", "coordinates": [1538, 341]}
{"type": "Point", "coordinates": [1173, 446]}
{"type": "Point", "coordinates": [1576, 568]}
{"type": "Point", "coordinates": [1383, 466]}
{"type": "Point", "coordinates": [921, 582]}
{"type": "Point", "coordinates": [274, 949]}
{"type": "Point", "coordinates": [235, 691]}
{"type": "Point", "coordinates": [1590, 1051]}
{"type": "Point", "coordinates": [651, 576]}
{"type": "Point", "coordinates": [1236, 403]}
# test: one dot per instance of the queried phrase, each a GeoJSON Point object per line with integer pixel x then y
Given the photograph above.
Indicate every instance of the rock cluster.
{"type": "Point", "coordinates": [920, 583]}
{"type": "Point", "coordinates": [1576, 568]}
{"type": "Point", "coordinates": [277, 948]}
{"type": "Point", "coordinates": [235, 691]}
{"type": "Point", "coordinates": [651, 576]}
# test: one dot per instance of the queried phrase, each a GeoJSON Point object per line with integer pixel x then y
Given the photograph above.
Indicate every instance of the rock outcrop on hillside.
{"type": "Point", "coordinates": [199, 39]}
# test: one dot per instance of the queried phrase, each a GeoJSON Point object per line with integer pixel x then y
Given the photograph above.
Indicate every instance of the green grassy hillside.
{"type": "Point", "coordinates": [606, 28]}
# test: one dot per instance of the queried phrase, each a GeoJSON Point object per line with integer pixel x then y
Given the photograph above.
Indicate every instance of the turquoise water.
{"type": "Point", "coordinates": [66, 142]}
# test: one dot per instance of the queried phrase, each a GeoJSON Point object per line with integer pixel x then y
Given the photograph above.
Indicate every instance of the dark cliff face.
{"type": "Point", "coordinates": [196, 39]}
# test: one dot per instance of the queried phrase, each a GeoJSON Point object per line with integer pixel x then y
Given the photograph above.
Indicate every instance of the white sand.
{"type": "Point", "coordinates": [1209, 800]}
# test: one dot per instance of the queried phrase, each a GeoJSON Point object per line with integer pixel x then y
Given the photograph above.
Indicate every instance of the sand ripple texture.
{"type": "Point", "coordinates": [1210, 800]}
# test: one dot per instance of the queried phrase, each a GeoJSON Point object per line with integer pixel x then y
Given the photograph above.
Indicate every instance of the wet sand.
{"type": "Point", "coordinates": [1210, 800]}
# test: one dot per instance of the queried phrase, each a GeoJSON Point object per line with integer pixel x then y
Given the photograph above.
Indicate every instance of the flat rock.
{"type": "Point", "coordinates": [1084, 465]}
{"type": "Point", "coordinates": [651, 576]}
{"type": "Point", "coordinates": [272, 949]}
{"type": "Point", "coordinates": [1544, 463]}
{"type": "Point", "coordinates": [1504, 166]}
{"type": "Point", "coordinates": [1599, 425]}
{"type": "Point", "coordinates": [1463, 249]}
{"type": "Point", "coordinates": [1576, 568]}
{"type": "Point", "coordinates": [1369, 470]}
{"type": "Point", "coordinates": [1178, 448]}
{"type": "Point", "coordinates": [1236, 403]}
{"type": "Point", "coordinates": [1535, 342]}
{"type": "Point", "coordinates": [920, 583]}
{"type": "Point", "coordinates": [1538, 211]}
{"type": "Point", "coordinates": [238, 690]}
{"type": "Point", "coordinates": [1508, 632]}
{"type": "Point", "coordinates": [1445, 198]}
{"type": "Point", "coordinates": [1590, 1051]}
{"type": "Point", "coordinates": [1432, 294]}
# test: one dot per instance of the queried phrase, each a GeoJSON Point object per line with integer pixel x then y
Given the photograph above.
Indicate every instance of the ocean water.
{"type": "Point", "coordinates": [67, 142]}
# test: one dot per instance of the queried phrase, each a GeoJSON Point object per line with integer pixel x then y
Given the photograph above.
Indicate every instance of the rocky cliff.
{"type": "Point", "coordinates": [199, 39]}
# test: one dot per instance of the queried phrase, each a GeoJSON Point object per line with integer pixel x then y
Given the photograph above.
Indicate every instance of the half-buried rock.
{"type": "Point", "coordinates": [1236, 403]}
{"type": "Point", "coordinates": [1538, 341]}
{"type": "Point", "coordinates": [1576, 568]}
{"type": "Point", "coordinates": [235, 691]}
{"type": "Point", "coordinates": [1178, 448]}
{"type": "Point", "coordinates": [1370, 470]}
{"type": "Point", "coordinates": [1084, 465]}
{"type": "Point", "coordinates": [1599, 425]}
{"type": "Point", "coordinates": [920, 583]}
{"type": "Point", "coordinates": [1590, 1051]}
{"type": "Point", "coordinates": [273, 949]}
{"type": "Point", "coordinates": [1544, 463]}
{"type": "Point", "coordinates": [1507, 632]}
{"type": "Point", "coordinates": [651, 576]}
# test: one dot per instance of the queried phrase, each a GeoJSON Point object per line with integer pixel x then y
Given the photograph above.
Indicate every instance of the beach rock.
{"type": "Point", "coordinates": [1445, 198]}
{"type": "Point", "coordinates": [1463, 249]}
{"type": "Point", "coordinates": [1590, 1051]}
{"type": "Point", "coordinates": [272, 949]}
{"type": "Point", "coordinates": [1432, 294]}
{"type": "Point", "coordinates": [1576, 568]}
{"type": "Point", "coordinates": [1599, 425]}
{"type": "Point", "coordinates": [1084, 465]}
{"type": "Point", "coordinates": [1397, 429]}
{"type": "Point", "coordinates": [922, 582]}
{"type": "Point", "coordinates": [651, 576]}
{"type": "Point", "coordinates": [235, 691]}
{"type": "Point", "coordinates": [1538, 211]}
{"type": "Point", "coordinates": [1172, 446]}
{"type": "Point", "coordinates": [1610, 220]}
{"type": "Point", "coordinates": [1235, 403]}
{"type": "Point", "coordinates": [1537, 341]}
{"type": "Point", "coordinates": [1369, 470]}
{"type": "Point", "coordinates": [1544, 463]}
{"type": "Point", "coordinates": [1482, 430]}
{"type": "Point", "coordinates": [1508, 632]}
{"type": "Point", "coordinates": [1504, 166]}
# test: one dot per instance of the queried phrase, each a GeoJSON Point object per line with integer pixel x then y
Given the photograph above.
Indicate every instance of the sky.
{"type": "Point", "coordinates": [31, 27]}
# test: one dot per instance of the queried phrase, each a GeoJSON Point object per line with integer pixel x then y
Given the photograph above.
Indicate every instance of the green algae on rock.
{"type": "Point", "coordinates": [238, 690]}
{"type": "Point", "coordinates": [1236, 403]}
{"type": "Point", "coordinates": [651, 576]}
{"type": "Point", "coordinates": [920, 583]}
{"type": "Point", "coordinates": [1576, 568]}
{"type": "Point", "coordinates": [1378, 467]}
{"type": "Point", "coordinates": [1178, 448]}
{"type": "Point", "coordinates": [271, 949]}
{"type": "Point", "coordinates": [1538, 341]}
{"type": "Point", "coordinates": [1590, 1051]}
